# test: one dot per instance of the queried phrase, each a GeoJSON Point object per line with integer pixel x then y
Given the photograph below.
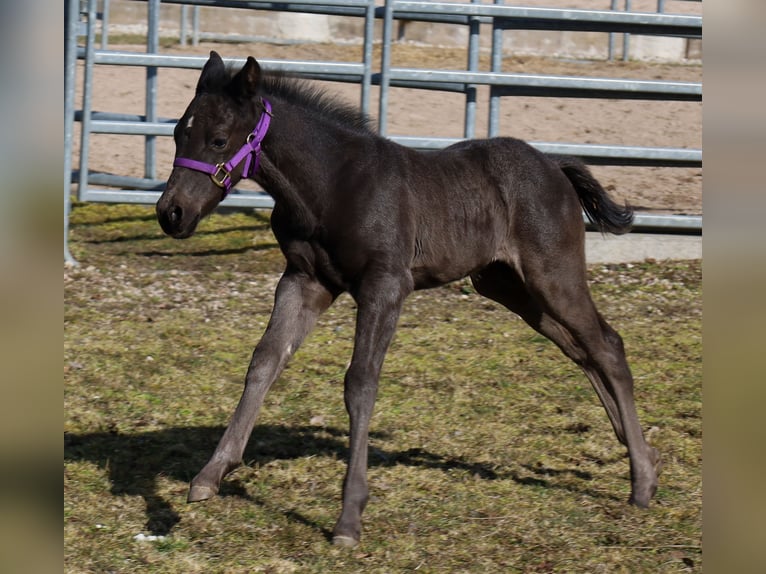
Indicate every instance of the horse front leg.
{"type": "Point", "coordinates": [298, 302]}
{"type": "Point", "coordinates": [377, 315]}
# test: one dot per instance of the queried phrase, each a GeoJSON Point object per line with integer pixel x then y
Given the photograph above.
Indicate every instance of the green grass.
{"type": "Point", "coordinates": [489, 450]}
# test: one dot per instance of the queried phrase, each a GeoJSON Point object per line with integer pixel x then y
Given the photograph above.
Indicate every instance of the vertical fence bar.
{"type": "Point", "coordinates": [385, 66]}
{"type": "Point", "coordinates": [469, 127]}
{"type": "Point", "coordinates": [610, 50]}
{"type": "Point", "coordinates": [369, 37]}
{"type": "Point", "coordinates": [496, 65]}
{"type": "Point", "coordinates": [195, 26]}
{"type": "Point", "coordinates": [72, 16]}
{"type": "Point", "coordinates": [182, 36]}
{"type": "Point", "coordinates": [152, 47]}
{"type": "Point", "coordinates": [626, 38]}
{"type": "Point", "coordinates": [87, 100]}
{"type": "Point", "coordinates": [105, 24]}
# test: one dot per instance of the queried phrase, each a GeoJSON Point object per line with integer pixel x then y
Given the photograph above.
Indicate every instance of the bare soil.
{"type": "Point", "coordinates": [431, 113]}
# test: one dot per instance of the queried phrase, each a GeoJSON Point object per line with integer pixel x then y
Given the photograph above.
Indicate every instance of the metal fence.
{"type": "Point", "coordinates": [82, 21]}
{"type": "Point", "coordinates": [146, 189]}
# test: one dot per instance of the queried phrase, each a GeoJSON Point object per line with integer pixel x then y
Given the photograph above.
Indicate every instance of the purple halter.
{"type": "Point", "coordinates": [250, 152]}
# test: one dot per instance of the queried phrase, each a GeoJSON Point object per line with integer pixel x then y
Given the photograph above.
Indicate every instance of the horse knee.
{"type": "Point", "coordinates": [615, 341]}
{"type": "Point", "coordinates": [611, 336]}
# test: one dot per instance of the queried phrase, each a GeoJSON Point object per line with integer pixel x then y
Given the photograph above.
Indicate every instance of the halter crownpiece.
{"type": "Point", "coordinates": [250, 152]}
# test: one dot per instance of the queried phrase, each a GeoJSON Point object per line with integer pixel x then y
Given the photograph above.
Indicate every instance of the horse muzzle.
{"type": "Point", "coordinates": [176, 220]}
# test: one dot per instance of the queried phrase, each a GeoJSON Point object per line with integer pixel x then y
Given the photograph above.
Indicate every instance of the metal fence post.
{"type": "Point", "coordinates": [152, 47]}
{"type": "Point", "coordinates": [469, 127]}
{"type": "Point", "coordinates": [71, 15]}
{"type": "Point", "coordinates": [385, 66]}
{"type": "Point", "coordinates": [195, 26]}
{"type": "Point", "coordinates": [182, 38]}
{"type": "Point", "coordinates": [496, 65]}
{"type": "Point", "coordinates": [104, 24]}
{"type": "Point", "coordinates": [87, 99]}
{"type": "Point", "coordinates": [610, 49]}
{"type": "Point", "coordinates": [626, 38]}
{"type": "Point", "coordinates": [369, 38]}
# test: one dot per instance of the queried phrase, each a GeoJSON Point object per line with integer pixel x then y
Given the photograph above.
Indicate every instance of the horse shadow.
{"type": "Point", "coordinates": [134, 461]}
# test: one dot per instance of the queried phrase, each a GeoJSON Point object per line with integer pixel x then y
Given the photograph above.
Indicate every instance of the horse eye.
{"type": "Point", "coordinates": [219, 143]}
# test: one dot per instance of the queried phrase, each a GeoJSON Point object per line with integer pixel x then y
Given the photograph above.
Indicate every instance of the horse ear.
{"type": "Point", "coordinates": [245, 83]}
{"type": "Point", "coordinates": [213, 74]}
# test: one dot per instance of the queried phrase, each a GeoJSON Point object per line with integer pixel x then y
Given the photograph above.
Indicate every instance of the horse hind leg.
{"type": "Point", "coordinates": [568, 317]}
{"type": "Point", "coordinates": [501, 283]}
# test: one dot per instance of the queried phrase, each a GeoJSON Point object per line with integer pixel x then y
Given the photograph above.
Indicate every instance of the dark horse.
{"type": "Point", "coordinates": [354, 212]}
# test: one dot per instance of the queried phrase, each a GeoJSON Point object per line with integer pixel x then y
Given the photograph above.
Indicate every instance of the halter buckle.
{"type": "Point", "coordinates": [220, 180]}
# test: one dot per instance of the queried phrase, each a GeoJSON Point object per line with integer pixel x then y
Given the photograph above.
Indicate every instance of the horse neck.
{"type": "Point", "coordinates": [297, 162]}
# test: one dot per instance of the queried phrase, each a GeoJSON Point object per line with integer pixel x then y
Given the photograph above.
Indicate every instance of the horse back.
{"type": "Point", "coordinates": [483, 201]}
{"type": "Point", "coordinates": [438, 215]}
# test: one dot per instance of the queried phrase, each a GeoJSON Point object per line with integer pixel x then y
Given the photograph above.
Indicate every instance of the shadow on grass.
{"type": "Point", "coordinates": [134, 461]}
{"type": "Point", "coordinates": [158, 235]}
{"type": "Point", "coordinates": [207, 252]}
{"type": "Point", "coordinates": [128, 218]}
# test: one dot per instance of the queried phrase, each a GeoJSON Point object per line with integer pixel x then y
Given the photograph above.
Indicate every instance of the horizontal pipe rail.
{"type": "Point", "coordinates": [113, 58]}
{"type": "Point", "coordinates": [528, 18]}
{"type": "Point", "coordinates": [510, 17]}
{"type": "Point", "coordinates": [594, 154]}
{"type": "Point", "coordinates": [548, 85]}
{"type": "Point", "coordinates": [140, 196]}
{"type": "Point", "coordinates": [255, 200]}
{"type": "Point", "coordinates": [322, 7]}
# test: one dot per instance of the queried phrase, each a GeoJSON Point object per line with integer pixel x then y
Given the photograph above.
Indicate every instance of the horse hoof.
{"type": "Point", "coordinates": [344, 541]}
{"type": "Point", "coordinates": [641, 497]}
{"type": "Point", "coordinates": [642, 502]}
{"type": "Point", "coordinates": [198, 493]}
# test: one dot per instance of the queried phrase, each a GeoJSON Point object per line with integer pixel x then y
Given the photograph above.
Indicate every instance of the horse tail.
{"type": "Point", "coordinates": [600, 209]}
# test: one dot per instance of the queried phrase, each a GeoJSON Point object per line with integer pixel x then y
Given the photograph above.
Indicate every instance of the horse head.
{"type": "Point", "coordinates": [216, 145]}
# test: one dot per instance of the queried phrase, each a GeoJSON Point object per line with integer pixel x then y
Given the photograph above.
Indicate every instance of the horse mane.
{"type": "Point", "coordinates": [315, 99]}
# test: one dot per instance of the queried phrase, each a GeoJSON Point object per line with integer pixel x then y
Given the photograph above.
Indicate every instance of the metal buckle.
{"type": "Point", "coordinates": [220, 182]}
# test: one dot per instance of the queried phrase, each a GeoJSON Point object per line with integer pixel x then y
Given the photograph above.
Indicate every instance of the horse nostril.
{"type": "Point", "coordinates": [176, 214]}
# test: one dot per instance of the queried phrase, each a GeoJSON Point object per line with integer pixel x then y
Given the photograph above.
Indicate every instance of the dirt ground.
{"type": "Point", "coordinates": [430, 113]}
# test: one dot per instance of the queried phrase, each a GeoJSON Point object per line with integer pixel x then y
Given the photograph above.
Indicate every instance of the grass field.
{"type": "Point", "coordinates": [489, 450]}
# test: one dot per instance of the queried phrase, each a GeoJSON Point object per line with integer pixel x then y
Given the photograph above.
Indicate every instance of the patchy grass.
{"type": "Point", "coordinates": [489, 450]}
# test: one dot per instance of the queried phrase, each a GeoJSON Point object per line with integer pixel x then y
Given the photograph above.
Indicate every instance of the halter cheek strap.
{"type": "Point", "coordinates": [250, 153]}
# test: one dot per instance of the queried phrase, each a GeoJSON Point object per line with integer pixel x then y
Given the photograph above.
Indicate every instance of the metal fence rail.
{"type": "Point", "coordinates": [502, 18]}
{"type": "Point", "coordinates": [546, 85]}
{"type": "Point", "coordinates": [505, 18]}
{"type": "Point", "coordinates": [359, 8]}
{"type": "Point", "coordinates": [564, 19]}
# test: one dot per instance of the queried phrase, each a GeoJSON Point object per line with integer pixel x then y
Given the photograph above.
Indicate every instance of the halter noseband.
{"type": "Point", "coordinates": [220, 173]}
